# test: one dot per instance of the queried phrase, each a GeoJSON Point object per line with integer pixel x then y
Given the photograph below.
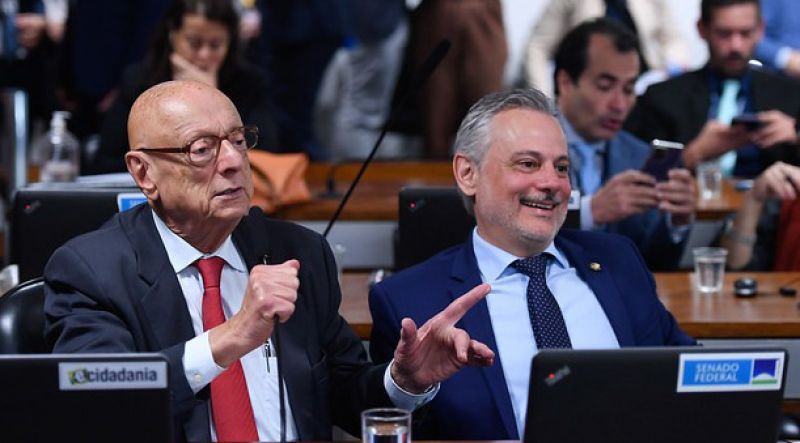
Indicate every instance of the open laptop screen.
{"type": "Point", "coordinates": [656, 395]}
{"type": "Point", "coordinates": [85, 397]}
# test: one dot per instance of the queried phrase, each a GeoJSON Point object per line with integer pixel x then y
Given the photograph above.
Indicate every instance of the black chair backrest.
{"type": "Point", "coordinates": [431, 219]}
{"type": "Point", "coordinates": [22, 319]}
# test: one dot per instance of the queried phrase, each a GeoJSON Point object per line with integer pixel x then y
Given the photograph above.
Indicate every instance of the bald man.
{"type": "Point", "coordinates": [142, 283]}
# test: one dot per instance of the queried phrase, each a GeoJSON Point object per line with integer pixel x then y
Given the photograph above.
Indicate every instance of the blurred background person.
{"type": "Point", "coordinates": [196, 40]}
{"type": "Point", "coordinates": [764, 234]}
{"type": "Point", "coordinates": [296, 41]}
{"type": "Point", "coordinates": [29, 44]}
{"type": "Point", "coordinates": [697, 108]}
{"type": "Point", "coordinates": [356, 94]}
{"type": "Point", "coordinates": [472, 68]}
{"type": "Point", "coordinates": [101, 38]}
{"type": "Point", "coordinates": [780, 47]}
{"type": "Point", "coordinates": [663, 48]}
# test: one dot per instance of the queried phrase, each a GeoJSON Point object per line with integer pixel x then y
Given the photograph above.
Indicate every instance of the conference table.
{"type": "Point", "coordinates": [704, 316]}
{"type": "Point", "coordinates": [723, 318]}
{"type": "Point", "coordinates": [375, 198]}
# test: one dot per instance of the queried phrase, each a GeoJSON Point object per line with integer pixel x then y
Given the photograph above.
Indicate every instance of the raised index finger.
{"type": "Point", "coordinates": [453, 313]}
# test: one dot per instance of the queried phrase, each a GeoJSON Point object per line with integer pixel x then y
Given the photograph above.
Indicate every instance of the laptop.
{"type": "Point", "coordinates": [45, 217]}
{"type": "Point", "coordinates": [656, 395]}
{"type": "Point", "coordinates": [89, 397]}
{"type": "Point", "coordinates": [433, 218]}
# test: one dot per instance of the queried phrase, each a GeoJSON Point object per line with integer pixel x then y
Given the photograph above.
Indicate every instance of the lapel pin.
{"type": "Point", "coordinates": [594, 266]}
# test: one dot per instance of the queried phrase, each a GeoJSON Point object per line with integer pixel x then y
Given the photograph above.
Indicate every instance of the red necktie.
{"type": "Point", "coordinates": [230, 402]}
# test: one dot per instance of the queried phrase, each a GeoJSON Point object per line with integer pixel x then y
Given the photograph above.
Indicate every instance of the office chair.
{"type": "Point", "coordinates": [22, 319]}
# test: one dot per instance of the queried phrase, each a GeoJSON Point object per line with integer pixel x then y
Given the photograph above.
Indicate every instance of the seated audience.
{"type": "Point", "coordinates": [663, 48]}
{"type": "Point", "coordinates": [780, 47]}
{"type": "Point", "coordinates": [196, 40]}
{"type": "Point", "coordinates": [761, 235]}
{"type": "Point", "coordinates": [202, 278]}
{"type": "Point", "coordinates": [698, 108]}
{"type": "Point", "coordinates": [597, 65]}
{"type": "Point", "coordinates": [549, 288]}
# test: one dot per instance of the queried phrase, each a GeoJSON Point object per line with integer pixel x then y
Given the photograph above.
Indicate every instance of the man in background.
{"type": "Point", "coordinates": [697, 108]}
{"type": "Point", "coordinates": [597, 65]}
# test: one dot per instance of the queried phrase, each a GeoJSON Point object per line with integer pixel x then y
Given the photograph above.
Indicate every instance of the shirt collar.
{"type": "Point", "coordinates": [182, 255]}
{"type": "Point", "coordinates": [494, 262]}
{"type": "Point", "coordinates": [574, 139]}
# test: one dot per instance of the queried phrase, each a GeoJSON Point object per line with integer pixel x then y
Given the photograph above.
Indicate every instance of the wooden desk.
{"type": "Point", "coordinates": [375, 198]}
{"type": "Point", "coordinates": [730, 201]}
{"type": "Point", "coordinates": [768, 315]}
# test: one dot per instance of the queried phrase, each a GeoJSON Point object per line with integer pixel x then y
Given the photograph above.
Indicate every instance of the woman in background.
{"type": "Point", "coordinates": [196, 40]}
{"type": "Point", "coordinates": [764, 235]}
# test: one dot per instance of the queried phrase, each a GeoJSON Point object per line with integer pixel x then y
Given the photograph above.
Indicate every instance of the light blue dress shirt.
{"type": "Point", "coordinates": [585, 319]}
{"type": "Point", "coordinates": [579, 151]}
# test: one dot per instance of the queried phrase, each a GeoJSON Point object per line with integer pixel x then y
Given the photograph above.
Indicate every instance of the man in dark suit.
{"type": "Point", "coordinates": [576, 289]}
{"type": "Point", "coordinates": [188, 276]}
{"type": "Point", "coordinates": [694, 108]}
{"type": "Point", "coordinates": [597, 64]}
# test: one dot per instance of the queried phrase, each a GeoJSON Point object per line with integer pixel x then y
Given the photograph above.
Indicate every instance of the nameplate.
{"type": "Point", "coordinates": [94, 375]}
{"type": "Point", "coordinates": [724, 372]}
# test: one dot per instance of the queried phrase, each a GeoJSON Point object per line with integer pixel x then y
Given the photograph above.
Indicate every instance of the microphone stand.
{"type": "Point", "coordinates": [433, 60]}
{"type": "Point", "coordinates": [423, 74]}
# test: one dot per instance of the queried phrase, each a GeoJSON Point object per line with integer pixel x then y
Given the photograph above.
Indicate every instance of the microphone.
{"type": "Point", "coordinates": [265, 259]}
{"type": "Point", "coordinates": [436, 56]}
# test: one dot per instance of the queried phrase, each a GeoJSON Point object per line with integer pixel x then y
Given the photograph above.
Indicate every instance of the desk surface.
{"type": "Point", "coordinates": [375, 198]}
{"type": "Point", "coordinates": [769, 315]}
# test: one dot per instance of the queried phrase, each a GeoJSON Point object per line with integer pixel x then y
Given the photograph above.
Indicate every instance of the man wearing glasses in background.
{"type": "Point", "coordinates": [201, 277]}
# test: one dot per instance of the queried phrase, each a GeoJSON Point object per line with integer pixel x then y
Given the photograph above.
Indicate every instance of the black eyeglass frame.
{"type": "Point", "coordinates": [187, 148]}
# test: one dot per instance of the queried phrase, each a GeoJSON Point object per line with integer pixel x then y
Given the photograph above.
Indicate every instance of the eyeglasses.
{"type": "Point", "coordinates": [204, 150]}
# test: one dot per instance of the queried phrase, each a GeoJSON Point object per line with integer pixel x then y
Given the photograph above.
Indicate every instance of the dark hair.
{"type": "Point", "coordinates": [157, 62]}
{"type": "Point", "coordinates": [572, 53]}
{"type": "Point", "coordinates": [707, 7]}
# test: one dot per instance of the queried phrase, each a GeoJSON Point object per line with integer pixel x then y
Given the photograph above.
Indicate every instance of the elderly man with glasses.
{"type": "Point", "coordinates": [202, 278]}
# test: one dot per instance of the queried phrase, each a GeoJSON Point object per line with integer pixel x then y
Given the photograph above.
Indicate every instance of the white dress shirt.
{"type": "Point", "coordinates": [198, 363]}
{"type": "Point", "coordinates": [586, 322]}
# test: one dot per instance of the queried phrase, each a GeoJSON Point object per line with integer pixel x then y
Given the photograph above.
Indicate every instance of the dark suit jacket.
{"type": "Point", "coordinates": [677, 109]}
{"type": "Point", "coordinates": [114, 290]}
{"type": "Point", "coordinates": [648, 230]}
{"type": "Point", "coordinates": [474, 404]}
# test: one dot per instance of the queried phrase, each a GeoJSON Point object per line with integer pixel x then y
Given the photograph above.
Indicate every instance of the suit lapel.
{"type": "Point", "coordinates": [698, 102]}
{"type": "Point", "coordinates": [465, 275]}
{"type": "Point", "coordinates": [251, 239]}
{"type": "Point", "coordinates": [603, 286]}
{"type": "Point", "coordinates": [161, 297]}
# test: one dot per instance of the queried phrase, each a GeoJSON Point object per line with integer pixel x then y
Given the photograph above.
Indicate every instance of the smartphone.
{"type": "Point", "coordinates": [666, 155]}
{"type": "Point", "coordinates": [750, 121]}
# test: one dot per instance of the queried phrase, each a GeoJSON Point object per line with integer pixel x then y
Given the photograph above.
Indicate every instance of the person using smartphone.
{"type": "Point", "coordinates": [597, 65]}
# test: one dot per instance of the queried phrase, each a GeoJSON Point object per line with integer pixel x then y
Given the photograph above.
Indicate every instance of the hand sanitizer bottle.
{"type": "Point", "coordinates": [57, 151]}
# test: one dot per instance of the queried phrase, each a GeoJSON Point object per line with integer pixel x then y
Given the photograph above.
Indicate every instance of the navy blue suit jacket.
{"type": "Point", "coordinates": [114, 290]}
{"type": "Point", "coordinates": [648, 230]}
{"type": "Point", "coordinates": [474, 404]}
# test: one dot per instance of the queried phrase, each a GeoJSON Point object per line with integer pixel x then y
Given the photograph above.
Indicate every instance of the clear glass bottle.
{"type": "Point", "coordinates": [57, 152]}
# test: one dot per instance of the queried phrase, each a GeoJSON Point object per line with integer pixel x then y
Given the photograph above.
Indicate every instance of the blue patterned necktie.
{"type": "Point", "coordinates": [547, 321]}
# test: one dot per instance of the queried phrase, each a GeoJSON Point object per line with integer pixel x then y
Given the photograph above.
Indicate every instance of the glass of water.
{"type": "Point", "coordinates": [709, 180]}
{"type": "Point", "coordinates": [386, 425]}
{"type": "Point", "coordinates": [709, 268]}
